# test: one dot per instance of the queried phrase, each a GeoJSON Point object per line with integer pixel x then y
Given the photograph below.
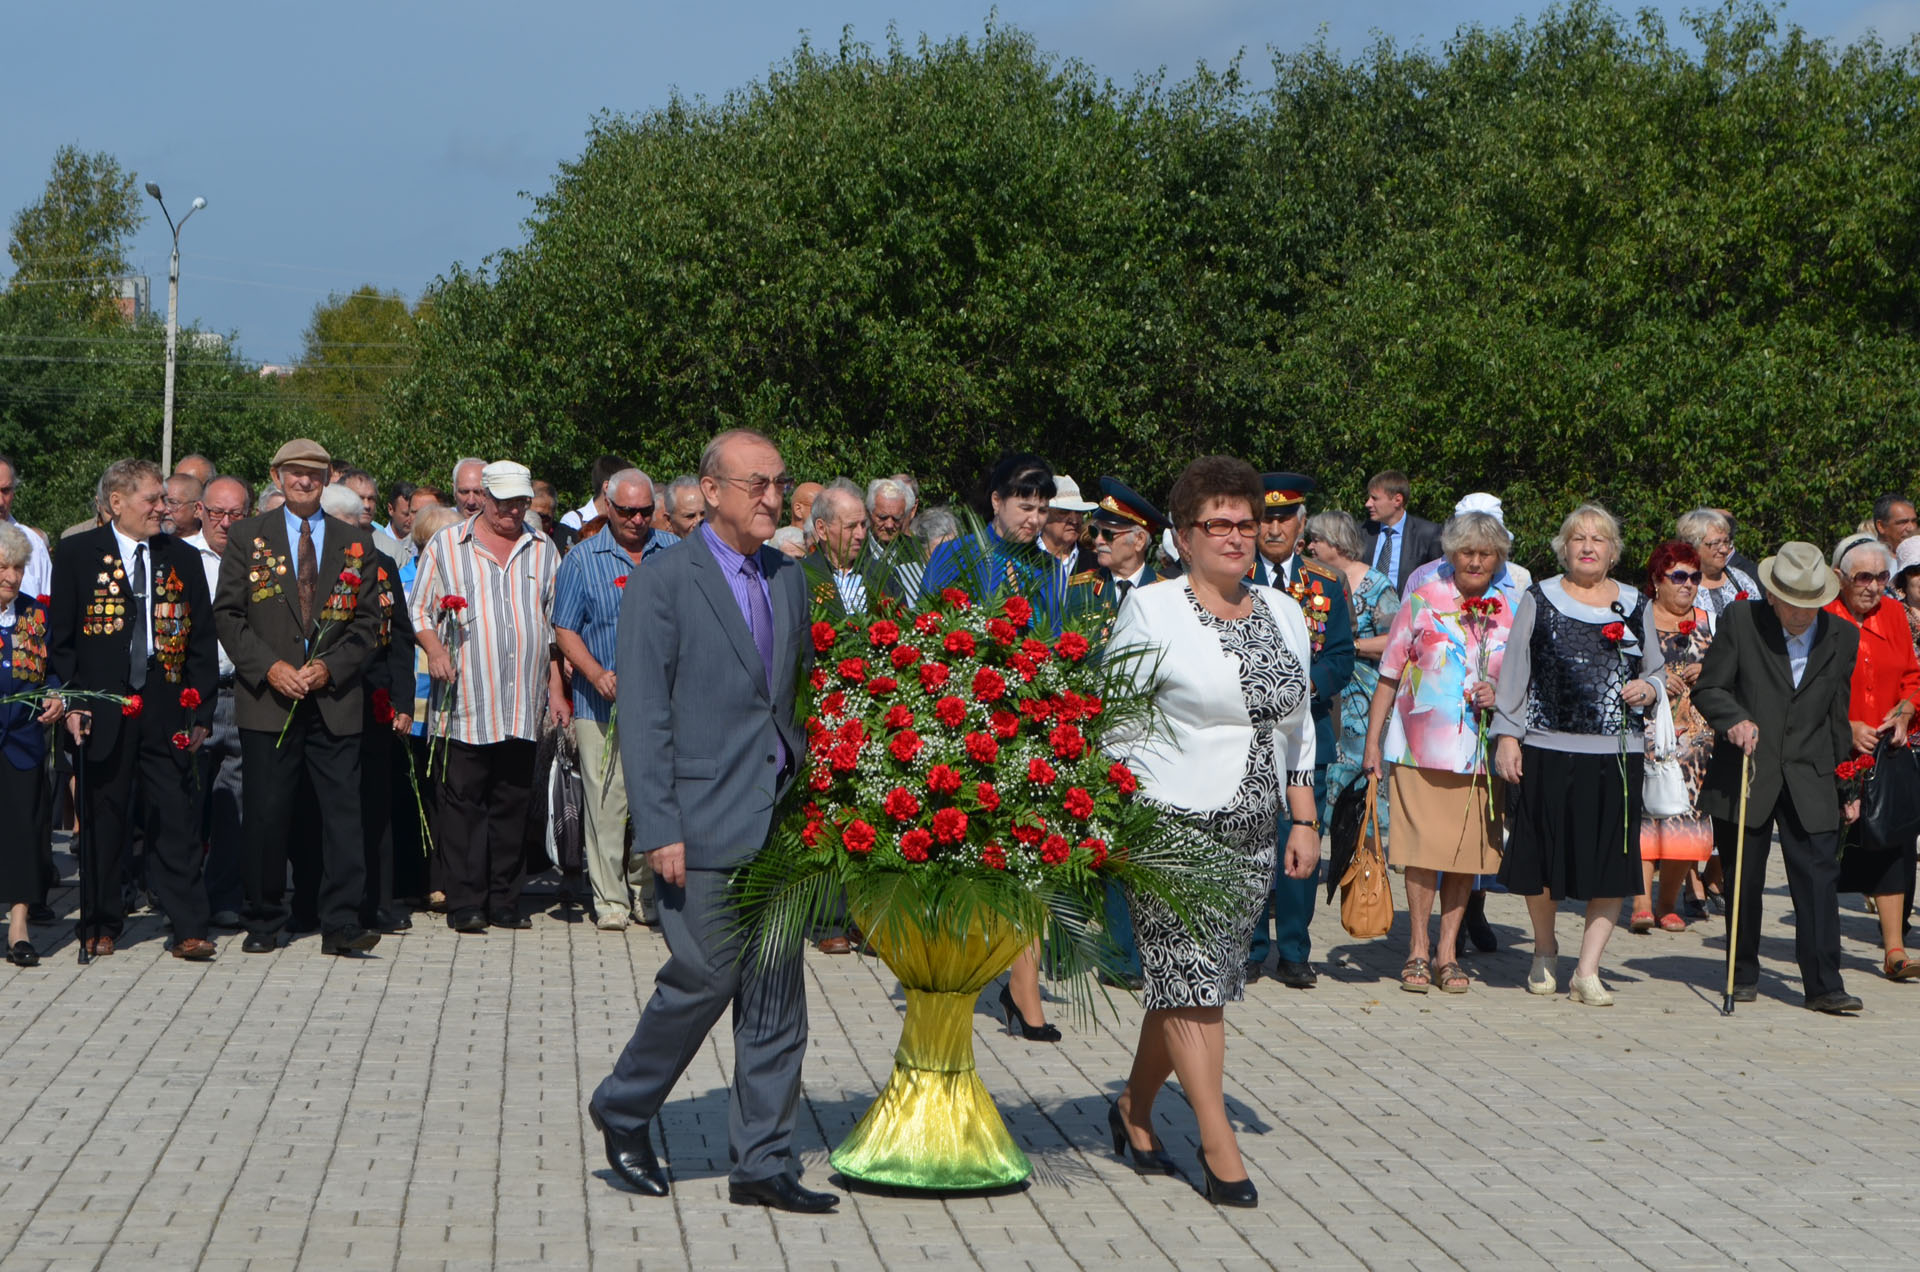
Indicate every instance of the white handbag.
{"type": "Point", "coordinates": [1663, 791]}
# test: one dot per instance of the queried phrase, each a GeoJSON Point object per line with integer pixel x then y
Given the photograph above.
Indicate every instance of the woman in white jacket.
{"type": "Point", "coordinates": [1235, 745]}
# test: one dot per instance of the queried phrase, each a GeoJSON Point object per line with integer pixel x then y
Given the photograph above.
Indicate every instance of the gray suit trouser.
{"type": "Point", "coordinates": [705, 973]}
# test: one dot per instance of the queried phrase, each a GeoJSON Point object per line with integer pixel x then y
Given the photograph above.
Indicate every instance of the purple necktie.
{"type": "Point", "coordinates": [759, 615]}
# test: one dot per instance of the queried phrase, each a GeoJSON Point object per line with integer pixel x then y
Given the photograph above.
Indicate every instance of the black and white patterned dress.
{"type": "Point", "coordinates": [1180, 971]}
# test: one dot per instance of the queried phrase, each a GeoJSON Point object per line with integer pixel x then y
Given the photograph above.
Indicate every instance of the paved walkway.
{"type": "Point", "coordinates": [424, 1108]}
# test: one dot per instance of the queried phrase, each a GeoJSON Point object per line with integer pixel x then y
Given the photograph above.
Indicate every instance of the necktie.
{"type": "Point", "coordinates": [1385, 556]}
{"type": "Point", "coordinates": [309, 576]}
{"type": "Point", "coordinates": [137, 628]}
{"type": "Point", "coordinates": [1122, 587]}
{"type": "Point", "coordinates": [759, 616]}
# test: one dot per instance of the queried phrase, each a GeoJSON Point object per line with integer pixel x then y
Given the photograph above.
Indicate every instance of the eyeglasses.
{"type": "Point", "coordinates": [1683, 577]}
{"type": "Point", "coordinates": [1717, 545]}
{"type": "Point", "coordinates": [1221, 527]}
{"type": "Point", "coordinates": [1111, 532]}
{"type": "Point", "coordinates": [638, 510]}
{"type": "Point", "coordinates": [1862, 579]}
{"type": "Point", "coordinates": [757, 484]}
{"type": "Point", "coordinates": [221, 514]}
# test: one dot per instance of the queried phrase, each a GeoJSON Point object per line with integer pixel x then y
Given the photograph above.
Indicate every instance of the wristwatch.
{"type": "Point", "coordinates": [1315, 823]}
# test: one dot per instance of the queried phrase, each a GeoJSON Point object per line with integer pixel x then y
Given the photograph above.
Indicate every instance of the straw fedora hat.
{"type": "Point", "coordinates": [1799, 575]}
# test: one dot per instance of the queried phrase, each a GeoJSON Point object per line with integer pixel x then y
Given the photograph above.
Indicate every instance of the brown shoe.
{"type": "Point", "coordinates": [836, 945]}
{"type": "Point", "coordinates": [194, 948]}
{"type": "Point", "coordinates": [100, 946]}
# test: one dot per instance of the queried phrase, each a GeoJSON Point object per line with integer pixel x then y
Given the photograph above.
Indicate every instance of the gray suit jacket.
{"type": "Point", "coordinates": [1803, 731]}
{"type": "Point", "coordinates": [699, 730]}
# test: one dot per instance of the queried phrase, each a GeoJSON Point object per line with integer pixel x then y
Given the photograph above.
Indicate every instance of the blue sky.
{"type": "Point", "coordinates": [361, 142]}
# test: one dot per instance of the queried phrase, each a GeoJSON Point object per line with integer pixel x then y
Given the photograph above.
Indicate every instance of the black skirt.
{"type": "Point", "coordinates": [1875, 872]}
{"type": "Point", "coordinates": [22, 793]}
{"type": "Point", "coordinates": [1574, 830]}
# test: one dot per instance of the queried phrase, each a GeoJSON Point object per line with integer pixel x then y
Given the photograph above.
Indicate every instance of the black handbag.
{"type": "Point", "coordinates": [1890, 798]}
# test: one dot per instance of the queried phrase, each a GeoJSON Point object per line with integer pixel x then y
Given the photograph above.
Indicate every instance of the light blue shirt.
{"type": "Point", "coordinates": [1798, 648]}
{"type": "Point", "coordinates": [319, 520]}
{"type": "Point", "coordinates": [586, 601]}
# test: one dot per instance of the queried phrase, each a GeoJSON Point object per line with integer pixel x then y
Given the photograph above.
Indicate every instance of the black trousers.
{"type": "Point", "coordinates": [483, 824]}
{"type": "Point", "coordinates": [376, 817]}
{"type": "Point", "coordinates": [274, 774]}
{"type": "Point", "coordinates": [409, 836]}
{"type": "Point", "coordinates": [1813, 872]}
{"type": "Point", "coordinates": [220, 827]}
{"type": "Point", "coordinates": [142, 770]}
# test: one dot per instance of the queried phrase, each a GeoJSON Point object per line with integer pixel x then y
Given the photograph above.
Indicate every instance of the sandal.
{"type": "Point", "coordinates": [1452, 979]}
{"type": "Point", "coordinates": [1672, 922]}
{"type": "Point", "coordinates": [1899, 967]}
{"type": "Point", "coordinates": [1414, 977]}
{"type": "Point", "coordinates": [1642, 921]}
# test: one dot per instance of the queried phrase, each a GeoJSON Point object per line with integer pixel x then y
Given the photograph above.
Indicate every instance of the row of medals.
{"type": "Point", "coordinates": [262, 578]}
{"type": "Point", "coordinates": [104, 616]}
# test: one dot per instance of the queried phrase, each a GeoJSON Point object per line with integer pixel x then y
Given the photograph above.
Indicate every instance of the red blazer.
{"type": "Point", "coordinates": [1886, 670]}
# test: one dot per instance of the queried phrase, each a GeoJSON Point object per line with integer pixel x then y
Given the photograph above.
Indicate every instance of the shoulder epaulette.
{"type": "Point", "coordinates": [1085, 576]}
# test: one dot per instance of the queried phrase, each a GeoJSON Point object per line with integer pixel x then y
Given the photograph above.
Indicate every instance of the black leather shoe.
{"type": "Point", "coordinates": [1294, 976]}
{"type": "Point", "coordinates": [391, 922]}
{"type": "Point", "coordinates": [1834, 1002]}
{"type": "Point", "coordinates": [631, 1157]}
{"type": "Point", "coordinates": [1478, 930]}
{"type": "Point", "coordinates": [1746, 993]}
{"type": "Point", "coordinates": [1255, 970]}
{"type": "Point", "coordinates": [509, 919]}
{"type": "Point", "coordinates": [1154, 1161]}
{"type": "Point", "coordinates": [349, 940]}
{"type": "Point", "coordinates": [258, 944]}
{"type": "Point", "coordinates": [467, 921]}
{"type": "Point", "coordinates": [1223, 1192]}
{"type": "Point", "coordinates": [22, 954]}
{"type": "Point", "coordinates": [781, 1193]}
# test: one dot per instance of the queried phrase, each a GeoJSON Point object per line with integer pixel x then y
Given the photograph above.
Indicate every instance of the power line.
{"type": "Point", "coordinates": [145, 362]}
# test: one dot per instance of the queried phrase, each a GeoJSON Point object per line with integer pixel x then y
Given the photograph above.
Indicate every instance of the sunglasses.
{"type": "Point", "coordinates": [1862, 579]}
{"type": "Point", "coordinates": [1110, 533]}
{"type": "Point", "coordinates": [1682, 578]}
{"type": "Point", "coordinates": [1221, 527]}
{"type": "Point", "coordinates": [637, 510]}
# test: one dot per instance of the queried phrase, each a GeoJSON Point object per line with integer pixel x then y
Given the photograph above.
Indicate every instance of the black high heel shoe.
{"type": "Point", "coordinates": [1154, 1161]}
{"type": "Point", "coordinates": [1221, 1192]}
{"type": "Point", "coordinates": [22, 954]}
{"type": "Point", "coordinates": [1017, 1023]}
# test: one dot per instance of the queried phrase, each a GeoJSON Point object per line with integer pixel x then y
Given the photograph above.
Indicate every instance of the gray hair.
{"type": "Point", "coordinates": [1854, 542]}
{"type": "Point", "coordinates": [15, 548]}
{"type": "Point", "coordinates": [935, 524]}
{"type": "Point", "coordinates": [828, 510]}
{"type": "Point", "coordinates": [623, 477]}
{"type": "Point", "coordinates": [893, 489]}
{"type": "Point", "coordinates": [1468, 531]}
{"type": "Point", "coordinates": [685, 481]}
{"type": "Point", "coordinates": [1340, 531]}
{"type": "Point", "coordinates": [458, 464]}
{"type": "Point", "coordinates": [342, 501]}
{"type": "Point", "coordinates": [1589, 514]}
{"type": "Point", "coordinates": [268, 498]}
{"type": "Point", "coordinates": [789, 535]}
{"type": "Point", "coordinates": [1698, 526]}
{"type": "Point", "coordinates": [123, 477]}
{"type": "Point", "coordinates": [431, 521]}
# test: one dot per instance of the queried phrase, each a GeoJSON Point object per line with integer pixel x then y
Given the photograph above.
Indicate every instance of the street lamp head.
{"type": "Point", "coordinates": [197, 205]}
{"type": "Point", "coordinates": [153, 188]}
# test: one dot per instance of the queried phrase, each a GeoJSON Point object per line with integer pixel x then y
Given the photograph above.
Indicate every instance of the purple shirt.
{"type": "Point", "coordinates": [732, 568]}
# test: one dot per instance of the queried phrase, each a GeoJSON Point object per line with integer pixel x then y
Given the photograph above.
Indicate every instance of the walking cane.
{"type": "Point", "coordinates": [1739, 862]}
{"type": "Point", "coordinates": [84, 868]}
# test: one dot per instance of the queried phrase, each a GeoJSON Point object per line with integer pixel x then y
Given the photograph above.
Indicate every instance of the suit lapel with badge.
{"type": "Point", "coordinates": [719, 595]}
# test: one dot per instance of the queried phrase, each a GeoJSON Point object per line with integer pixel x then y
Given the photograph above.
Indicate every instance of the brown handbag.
{"type": "Point", "coordinates": [1366, 899]}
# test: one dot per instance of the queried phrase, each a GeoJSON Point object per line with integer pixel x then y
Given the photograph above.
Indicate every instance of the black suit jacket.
{"type": "Point", "coordinates": [87, 637]}
{"type": "Point", "coordinates": [391, 667]}
{"type": "Point", "coordinates": [259, 625]}
{"type": "Point", "coordinates": [1419, 544]}
{"type": "Point", "coordinates": [1803, 731]}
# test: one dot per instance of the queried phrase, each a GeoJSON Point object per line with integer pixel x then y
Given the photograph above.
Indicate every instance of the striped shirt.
{"type": "Point", "coordinates": [500, 642]}
{"type": "Point", "coordinates": [586, 602]}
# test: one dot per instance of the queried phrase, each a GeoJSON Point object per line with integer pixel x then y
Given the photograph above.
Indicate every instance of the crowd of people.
{"type": "Point", "coordinates": [264, 709]}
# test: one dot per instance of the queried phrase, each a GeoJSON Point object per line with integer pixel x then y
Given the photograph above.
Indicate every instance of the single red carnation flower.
{"type": "Point", "coordinates": [1001, 632]}
{"type": "Point", "coordinates": [881, 686]}
{"type": "Point", "coordinates": [44, 599]}
{"type": "Point", "coordinates": [987, 797]}
{"type": "Point", "coordinates": [1615, 632]}
{"type": "Point", "coordinates": [182, 740]}
{"type": "Point", "coordinates": [1026, 666]}
{"type": "Point", "coordinates": [1037, 650]}
{"type": "Point", "coordinates": [1040, 772]}
{"type": "Point", "coordinates": [1092, 705]}
{"type": "Point", "coordinates": [1028, 835]}
{"type": "Point", "coordinates": [1078, 803]}
{"type": "Point", "coordinates": [982, 749]}
{"type": "Point", "coordinates": [1864, 764]}
{"type": "Point", "coordinates": [823, 637]}
{"type": "Point", "coordinates": [932, 676]}
{"type": "Point", "coordinates": [928, 625]}
{"type": "Point", "coordinates": [1071, 646]}
{"type": "Point", "coordinates": [1097, 849]}
{"type": "Point", "coordinates": [190, 697]}
{"type": "Point", "coordinates": [993, 857]}
{"type": "Point", "coordinates": [820, 779]}
{"type": "Point", "coordinates": [1055, 850]}
{"type": "Point", "coordinates": [858, 837]}
{"type": "Point", "coordinates": [350, 578]}
{"type": "Point", "coordinates": [1019, 612]}
{"type": "Point", "coordinates": [943, 779]}
{"type": "Point", "coordinates": [1066, 707]}
{"type": "Point", "coordinates": [949, 825]}
{"type": "Point", "coordinates": [959, 644]}
{"type": "Point", "coordinates": [452, 604]}
{"type": "Point", "coordinates": [1686, 626]}
{"type": "Point", "coordinates": [1036, 709]}
{"type": "Point", "coordinates": [854, 669]}
{"type": "Point", "coordinates": [904, 657]}
{"type": "Point", "coordinates": [914, 844]}
{"type": "Point", "coordinates": [901, 804]}
{"type": "Point", "coordinates": [898, 717]}
{"type": "Point", "coordinates": [834, 704]}
{"type": "Point", "coordinates": [884, 633]}
{"type": "Point", "coordinates": [844, 756]}
{"type": "Point", "coordinates": [989, 685]}
{"type": "Point", "coordinates": [131, 707]}
{"type": "Point", "coordinates": [817, 678]}
{"type": "Point", "coordinates": [906, 746]}
{"type": "Point", "coordinates": [620, 582]}
{"type": "Point", "coordinates": [950, 711]}
{"type": "Point", "coordinates": [810, 834]}
{"type": "Point", "coordinates": [853, 731]}
{"type": "Point", "coordinates": [1123, 779]}
{"type": "Point", "coordinates": [955, 597]}
{"type": "Point", "coordinates": [1068, 743]}
{"type": "Point", "coordinates": [1006, 725]}
{"type": "Point", "coordinates": [379, 697]}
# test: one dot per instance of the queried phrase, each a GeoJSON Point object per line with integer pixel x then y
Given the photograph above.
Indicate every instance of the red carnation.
{"type": "Point", "coordinates": [898, 717]}
{"type": "Point", "coordinates": [1036, 709]}
{"type": "Point", "coordinates": [881, 686]}
{"type": "Point", "coordinates": [190, 698]}
{"type": "Point", "coordinates": [44, 599]}
{"type": "Point", "coordinates": [1078, 803]}
{"type": "Point", "coordinates": [914, 844]}
{"type": "Point", "coordinates": [981, 748]}
{"type": "Point", "coordinates": [620, 582]}
{"type": "Point", "coordinates": [820, 779]}
{"type": "Point", "coordinates": [844, 756]}
{"type": "Point", "coordinates": [854, 669]}
{"type": "Point", "coordinates": [817, 678]}
{"type": "Point", "coordinates": [853, 731]}
{"type": "Point", "coordinates": [1092, 706]}
{"type": "Point", "coordinates": [1864, 764]}
{"type": "Point", "coordinates": [858, 837]}
{"type": "Point", "coordinates": [823, 637]}
{"type": "Point", "coordinates": [993, 857]}
{"type": "Point", "coordinates": [943, 779]}
{"type": "Point", "coordinates": [350, 578]}
{"type": "Point", "coordinates": [928, 625]}
{"type": "Point", "coordinates": [1026, 666]}
{"type": "Point", "coordinates": [1845, 770]}
{"type": "Point", "coordinates": [950, 711]}
{"type": "Point", "coordinates": [834, 704]}
{"type": "Point", "coordinates": [1741, 595]}
{"type": "Point", "coordinates": [1005, 724]}
{"type": "Point", "coordinates": [452, 604]}
{"type": "Point", "coordinates": [810, 834]}
{"type": "Point", "coordinates": [905, 746]}
{"type": "Point", "coordinates": [988, 798]}
{"type": "Point", "coordinates": [1098, 849]}
{"type": "Point", "coordinates": [131, 707]}
{"type": "Point", "coordinates": [1040, 772]}
{"type": "Point", "coordinates": [1018, 611]}
{"type": "Point", "coordinates": [812, 810]}
{"type": "Point", "coordinates": [959, 644]}
{"type": "Point", "coordinates": [1068, 743]}
{"type": "Point", "coordinates": [1001, 631]}
{"type": "Point", "coordinates": [1686, 626]}
{"type": "Point", "coordinates": [904, 657]}
{"type": "Point", "coordinates": [955, 597]}
{"type": "Point", "coordinates": [949, 825]}
{"type": "Point", "coordinates": [884, 633]}
{"type": "Point", "coordinates": [1071, 646]}
{"type": "Point", "coordinates": [989, 685]}
{"type": "Point", "coordinates": [1615, 632]}
{"type": "Point", "coordinates": [932, 676]}
{"type": "Point", "coordinates": [381, 702]}
{"type": "Point", "coordinates": [901, 804]}
{"type": "Point", "coordinates": [1055, 850]}
{"type": "Point", "coordinates": [1066, 707]}
{"type": "Point", "coordinates": [1037, 650]}
{"type": "Point", "coordinates": [1123, 779]}
{"type": "Point", "coordinates": [1028, 835]}
{"type": "Point", "coordinates": [181, 741]}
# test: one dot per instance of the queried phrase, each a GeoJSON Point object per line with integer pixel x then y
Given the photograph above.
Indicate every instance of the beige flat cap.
{"type": "Point", "coordinates": [302, 450]}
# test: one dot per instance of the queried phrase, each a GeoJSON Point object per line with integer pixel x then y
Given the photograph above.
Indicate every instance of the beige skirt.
{"type": "Point", "coordinates": [1440, 821]}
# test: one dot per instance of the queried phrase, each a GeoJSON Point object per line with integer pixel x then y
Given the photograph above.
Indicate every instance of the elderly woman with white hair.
{"type": "Point", "coordinates": [1881, 702]}
{"type": "Point", "coordinates": [1721, 582]}
{"type": "Point", "coordinates": [1583, 662]}
{"type": "Point", "coordinates": [23, 740]}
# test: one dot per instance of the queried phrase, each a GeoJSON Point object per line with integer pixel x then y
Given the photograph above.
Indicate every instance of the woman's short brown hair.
{"type": "Point", "coordinates": [1214, 477]}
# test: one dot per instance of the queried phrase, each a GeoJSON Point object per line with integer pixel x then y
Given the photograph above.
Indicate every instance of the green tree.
{"type": "Point", "coordinates": [72, 240]}
{"type": "Point", "coordinates": [355, 345]}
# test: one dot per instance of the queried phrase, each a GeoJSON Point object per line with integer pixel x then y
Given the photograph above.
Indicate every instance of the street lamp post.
{"type": "Point", "coordinates": [173, 318]}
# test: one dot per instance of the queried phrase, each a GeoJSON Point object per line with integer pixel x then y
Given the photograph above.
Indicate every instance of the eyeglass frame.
{"type": "Point", "coordinates": [1248, 529]}
{"type": "Point", "coordinates": [756, 485]}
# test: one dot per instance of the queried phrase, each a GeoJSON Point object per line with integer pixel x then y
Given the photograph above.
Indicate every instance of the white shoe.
{"type": "Point", "coordinates": [612, 923]}
{"type": "Point", "coordinates": [1589, 990]}
{"type": "Point", "coordinates": [1540, 978]}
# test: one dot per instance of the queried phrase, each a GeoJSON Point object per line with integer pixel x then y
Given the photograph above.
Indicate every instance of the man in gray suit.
{"type": "Point", "coordinates": [711, 645]}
